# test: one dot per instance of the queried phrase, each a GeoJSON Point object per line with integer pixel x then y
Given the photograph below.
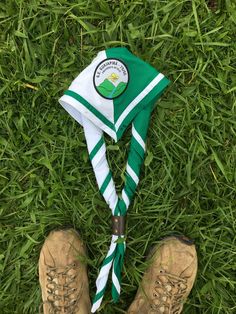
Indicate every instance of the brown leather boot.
{"type": "Point", "coordinates": [63, 274]}
{"type": "Point", "coordinates": [168, 279]}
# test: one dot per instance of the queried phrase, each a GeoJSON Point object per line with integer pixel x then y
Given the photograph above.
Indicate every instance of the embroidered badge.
{"type": "Point", "coordinates": [111, 78]}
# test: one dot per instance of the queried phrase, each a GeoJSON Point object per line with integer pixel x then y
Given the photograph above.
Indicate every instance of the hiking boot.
{"type": "Point", "coordinates": [63, 274]}
{"type": "Point", "coordinates": [168, 279]}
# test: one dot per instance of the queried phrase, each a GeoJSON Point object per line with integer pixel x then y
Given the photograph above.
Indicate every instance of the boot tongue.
{"type": "Point", "coordinates": [58, 255]}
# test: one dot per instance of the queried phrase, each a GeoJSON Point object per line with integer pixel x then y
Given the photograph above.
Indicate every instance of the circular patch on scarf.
{"type": "Point", "coordinates": [111, 78]}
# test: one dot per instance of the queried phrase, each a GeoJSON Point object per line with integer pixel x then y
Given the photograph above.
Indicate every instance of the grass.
{"type": "Point", "coordinates": [188, 182]}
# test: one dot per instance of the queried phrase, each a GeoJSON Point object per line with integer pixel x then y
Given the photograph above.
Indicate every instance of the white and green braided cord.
{"type": "Point", "coordinates": [119, 206]}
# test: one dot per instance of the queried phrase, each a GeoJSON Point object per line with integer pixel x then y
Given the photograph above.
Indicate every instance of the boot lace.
{"type": "Point", "coordinates": [168, 294]}
{"type": "Point", "coordinates": [63, 296]}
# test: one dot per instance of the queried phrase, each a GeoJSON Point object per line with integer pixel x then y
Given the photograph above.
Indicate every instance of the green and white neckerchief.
{"type": "Point", "coordinates": [116, 89]}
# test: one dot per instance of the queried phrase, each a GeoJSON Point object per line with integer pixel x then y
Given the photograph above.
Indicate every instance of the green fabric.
{"type": "Point", "coordinates": [96, 149]}
{"type": "Point", "coordinates": [118, 265]}
{"type": "Point", "coordinates": [148, 101]}
{"type": "Point", "coordinates": [140, 75]}
{"type": "Point", "coordinates": [105, 183]}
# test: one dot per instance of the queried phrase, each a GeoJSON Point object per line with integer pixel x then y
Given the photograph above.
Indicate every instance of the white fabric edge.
{"type": "Point", "coordinates": [115, 280]}
{"type": "Point", "coordinates": [76, 109]}
{"type": "Point", "coordinates": [133, 175]}
{"type": "Point", "coordinates": [138, 138]}
{"type": "Point", "coordinates": [125, 198]}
